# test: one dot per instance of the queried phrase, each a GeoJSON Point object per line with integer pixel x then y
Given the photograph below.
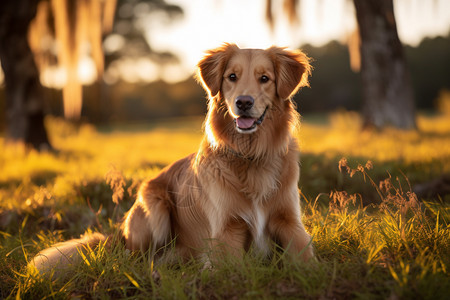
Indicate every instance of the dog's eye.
{"type": "Point", "coordinates": [264, 79]}
{"type": "Point", "coordinates": [232, 77]}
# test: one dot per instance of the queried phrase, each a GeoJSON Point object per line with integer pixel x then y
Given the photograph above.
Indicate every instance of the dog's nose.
{"type": "Point", "coordinates": [244, 103]}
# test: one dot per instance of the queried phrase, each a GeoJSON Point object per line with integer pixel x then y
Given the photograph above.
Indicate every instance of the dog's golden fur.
{"type": "Point", "coordinates": [240, 188]}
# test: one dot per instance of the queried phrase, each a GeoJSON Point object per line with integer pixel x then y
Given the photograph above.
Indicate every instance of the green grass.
{"type": "Point", "coordinates": [374, 238]}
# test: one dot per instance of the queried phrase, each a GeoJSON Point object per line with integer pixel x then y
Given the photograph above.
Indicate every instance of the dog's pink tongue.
{"type": "Point", "coordinates": [245, 123]}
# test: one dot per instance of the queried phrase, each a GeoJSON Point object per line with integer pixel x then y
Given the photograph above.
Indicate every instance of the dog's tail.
{"type": "Point", "coordinates": [56, 258]}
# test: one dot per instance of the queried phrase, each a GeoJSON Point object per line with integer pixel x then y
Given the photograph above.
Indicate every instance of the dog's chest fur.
{"type": "Point", "coordinates": [256, 219]}
{"type": "Point", "coordinates": [248, 198]}
{"type": "Point", "coordinates": [261, 182]}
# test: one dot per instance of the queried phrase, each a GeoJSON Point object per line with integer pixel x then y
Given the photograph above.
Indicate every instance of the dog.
{"type": "Point", "coordinates": [239, 191]}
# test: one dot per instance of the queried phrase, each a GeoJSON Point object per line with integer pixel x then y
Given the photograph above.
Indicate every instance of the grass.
{"type": "Point", "coordinates": [374, 238]}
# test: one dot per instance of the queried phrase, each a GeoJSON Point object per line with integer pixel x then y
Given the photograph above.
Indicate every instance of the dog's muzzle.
{"type": "Point", "coordinates": [248, 124]}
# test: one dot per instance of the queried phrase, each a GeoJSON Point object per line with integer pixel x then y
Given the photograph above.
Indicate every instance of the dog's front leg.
{"type": "Point", "coordinates": [147, 223]}
{"type": "Point", "coordinates": [231, 240]}
{"type": "Point", "coordinates": [136, 229]}
{"type": "Point", "coordinates": [286, 227]}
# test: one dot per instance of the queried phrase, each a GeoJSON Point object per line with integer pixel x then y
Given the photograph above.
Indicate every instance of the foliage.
{"type": "Point", "coordinates": [374, 237]}
{"type": "Point", "coordinates": [334, 85]}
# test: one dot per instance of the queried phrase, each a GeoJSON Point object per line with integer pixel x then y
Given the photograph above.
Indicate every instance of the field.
{"type": "Point", "coordinates": [374, 237]}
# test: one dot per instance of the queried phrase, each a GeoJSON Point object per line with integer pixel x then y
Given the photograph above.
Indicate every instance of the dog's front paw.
{"type": "Point", "coordinates": [207, 266]}
{"type": "Point", "coordinates": [307, 253]}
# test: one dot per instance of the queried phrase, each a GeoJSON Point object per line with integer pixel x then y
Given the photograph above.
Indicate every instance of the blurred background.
{"type": "Point", "coordinates": [115, 61]}
{"type": "Point", "coordinates": [98, 95]}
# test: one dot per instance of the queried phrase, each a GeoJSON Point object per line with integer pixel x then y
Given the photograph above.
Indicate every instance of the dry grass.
{"type": "Point", "coordinates": [374, 237]}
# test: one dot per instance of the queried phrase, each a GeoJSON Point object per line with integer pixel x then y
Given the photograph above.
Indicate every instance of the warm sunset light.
{"type": "Point", "coordinates": [225, 149]}
{"type": "Point", "coordinates": [207, 24]}
{"type": "Point", "coordinates": [56, 76]}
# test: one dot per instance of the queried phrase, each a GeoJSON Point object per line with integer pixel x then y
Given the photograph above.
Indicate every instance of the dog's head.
{"type": "Point", "coordinates": [252, 81]}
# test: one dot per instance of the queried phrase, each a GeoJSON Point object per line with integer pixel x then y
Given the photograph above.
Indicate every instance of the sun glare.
{"type": "Point", "coordinates": [113, 43]}
{"type": "Point", "coordinates": [208, 24]}
{"type": "Point", "coordinates": [132, 71]}
{"type": "Point", "coordinates": [87, 73]}
{"type": "Point", "coordinates": [2, 76]}
{"type": "Point", "coordinates": [56, 76]}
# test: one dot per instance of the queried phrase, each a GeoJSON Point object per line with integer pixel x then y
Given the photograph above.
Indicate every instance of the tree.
{"type": "Point", "coordinates": [24, 92]}
{"type": "Point", "coordinates": [65, 25]}
{"type": "Point", "coordinates": [130, 27]}
{"type": "Point", "coordinates": [76, 22]}
{"type": "Point", "coordinates": [69, 26]}
{"type": "Point", "coordinates": [387, 92]}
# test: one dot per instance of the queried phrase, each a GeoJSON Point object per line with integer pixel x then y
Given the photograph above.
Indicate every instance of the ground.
{"type": "Point", "coordinates": [374, 237]}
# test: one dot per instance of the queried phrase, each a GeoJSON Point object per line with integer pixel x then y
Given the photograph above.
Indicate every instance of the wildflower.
{"type": "Point", "coordinates": [340, 200]}
{"type": "Point", "coordinates": [385, 185]}
{"type": "Point", "coordinates": [343, 163]}
{"type": "Point", "coordinates": [117, 182]}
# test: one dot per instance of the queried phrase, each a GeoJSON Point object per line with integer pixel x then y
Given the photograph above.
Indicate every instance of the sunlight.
{"type": "Point", "coordinates": [2, 76]}
{"type": "Point", "coordinates": [87, 73]}
{"type": "Point", "coordinates": [71, 31]}
{"type": "Point", "coordinates": [207, 25]}
{"type": "Point", "coordinates": [132, 71]}
{"type": "Point", "coordinates": [113, 43]}
{"type": "Point", "coordinates": [146, 69]}
{"type": "Point", "coordinates": [53, 77]}
{"type": "Point", "coordinates": [343, 136]}
{"type": "Point", "coordinates": [443, 102]}
{"type": "Point", "coordinates": [172, 73]}
{"type": "Point", "coordinates": [56, 76]}
{"type": "Point", "coordinates": [375, 201]}
{"type": "Point", "coordinates": [128, 70]}
{"type": "Point", "coordinates": [417, 19]}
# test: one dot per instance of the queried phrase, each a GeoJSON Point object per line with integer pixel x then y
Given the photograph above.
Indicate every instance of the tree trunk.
{"type": "Point", "coordinates": [24, 92]}
{"type": "Point", "coordinates": [387, 92]}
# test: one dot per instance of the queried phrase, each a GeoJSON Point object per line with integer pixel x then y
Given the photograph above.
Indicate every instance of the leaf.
{"type": "Point", "coordinates": [85, 259]}
{"type": "Point", "coordinates": [18, 294]}
{"type": "Point", "coordinates": [373, 252]}
{"type": "Point", "coordinates": [134, 282]}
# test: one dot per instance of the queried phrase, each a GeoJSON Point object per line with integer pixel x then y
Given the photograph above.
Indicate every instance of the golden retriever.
{"type": "Point", "coordinates": [240, 188]}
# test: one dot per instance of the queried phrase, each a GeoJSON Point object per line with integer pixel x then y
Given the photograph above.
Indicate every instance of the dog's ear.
{"type": "Point", "coordinates": [212, 66]}
{"type": "Point", "coordinates": [292, 69]}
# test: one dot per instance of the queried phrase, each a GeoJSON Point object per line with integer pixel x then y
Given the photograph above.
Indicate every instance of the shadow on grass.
{"type": "Point", "coordinates": [92, 207]}
{"type": "Point", "coordinates": [320, 175]}
{"type": "Point", "coordinates": [40, 177]}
